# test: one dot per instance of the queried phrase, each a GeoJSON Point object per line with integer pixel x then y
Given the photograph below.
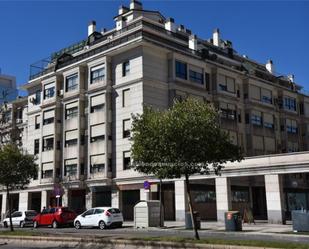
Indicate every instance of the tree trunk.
{"type": "Point", "coordinates": [9, 204]}
{"type": "Point", "coordinates": [160, 198]}
{"type": "Point", "coordinates": [196, 235]}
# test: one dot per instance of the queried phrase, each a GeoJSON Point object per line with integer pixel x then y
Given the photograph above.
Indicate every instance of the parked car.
{"type": "Point", "coordinates": [20, 218]}
{"type": "Point", "coordinates": [101, 217]}
{"type": "Point", "coordinates": [56, 216]}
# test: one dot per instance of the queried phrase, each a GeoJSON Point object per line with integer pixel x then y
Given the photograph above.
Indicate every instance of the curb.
{"type": "Point", "coordinates": [120, 242]}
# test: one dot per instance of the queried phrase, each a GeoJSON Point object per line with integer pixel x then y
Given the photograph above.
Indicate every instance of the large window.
{"type": "Point", "coordinates": [97, 74]}
{"type": "Point", "coordinates": [126, 160]}
{"type": "Point", "coordinates": [226, 84]}
{"type": "Point", "coordinates": [48, 117]}
{"type": "Point", "coordinates": [228, 111]}
{"type": "Point", "coordinates": [125, 68]}
{"type": "Point", "coordinates": [71, 82]}
{"type": "Point", "coordinates": [256, 118]}
{"type": "Point", "coordinates": [125, 97]}
{"type": "Point", "coordinates": [289, 103]}
{"type": "Point", "coordinates": [181, 70]}
{"type": "Point", "coordinates": [71, 112]}
{"type": "Point", "coordinates": [49, 91]}
{"type": "Point", "coordinates": [37, 99]}
{"type": "Point", "coordinates": [196, 77]}
{"type": "Point", "coordinates": [291, 126]}
{"type": "Point", "coordinates": [97, 163]}
{"type": "Point", "coordinates": [37, 122]}
{"type": "Point", "coordinates": [71, 138]}
{"type": "Point", "coordinates": [48, 143]}
{"type": "Point", "coordinates": [36, 146]}
{"type": "Point", "coordinates": [126, 128]}
{"type": "Point", "coordinates": [70, 167]}
{"type": "Point", "coordinates": [268, 120]}
{"type": "Point", "coordinates": [97, 103]}
{"type": "Point", "coordinates": [97, 133]}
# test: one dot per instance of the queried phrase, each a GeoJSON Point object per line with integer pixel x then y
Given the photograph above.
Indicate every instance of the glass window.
{"type": "Point", "coordinates": [196, 77]}
{"type": "Point", "coordinates": [256, 120]}
{"type": "Point", "coordinates": [181, 70]}
{"type": "Point", "coordinates": [70, 169]}
{"type": "Point", "coordinates": [125, 97]}
{"type": "Point", "coordinates": [125, 68]}
{"type": "Point", "coordinates": [48, 144]}
{"type": "Point", "coordinates": [71, 113]}
{"type": "Point", "coordinates": [49, 91]}
{"type": "Point", "coordinates": [126, 160]}
{"type": "Point", "coordinates": [289, 103]}
{"type": "Point", "coordinates": [126, 128]}
{"type": "Point", "coordinates": [37, 99]}
{"type": "Point", "coordinates": [47, 173]}
{"type": "Point", "coordinates": [97, 167]}
{"type": "Point", "coordinates": [71, 142]}
{"type": "Point", "coordinates": [36, 146]}
{"type": "Point", "coordinates": [88, 212]}
{"type": "Point", "coordinates": [97, 133]}
{"type": "Point", "coordinates": [97, 108]}
{"type": "Point", "coordinates": [37, 122]}
{"type": "Point", "coordinates": [97, 74]}
{"type": "Point", "coordinates": [71, 82]}
{"type": "Point", "coordinates": [99, 211]}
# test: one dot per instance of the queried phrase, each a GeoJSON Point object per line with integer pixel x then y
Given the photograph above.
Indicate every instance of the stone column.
{"type": "Point", "coordinates": [4, 205]}
{"type": "Point", "coordinates": [44, 199]}
{"type": "Point", "coordinates": [90, 199]}
{"type": "Point", "coordinates": [223, 196]}
{"type": "Point", "coordinates": [23, 201]}
{"type": "Point", "coordinates": [116, 198]}
{"type": "Point", "coordinates": [274, 194]}
{"type": "Point", "coordinates": [181, 203]}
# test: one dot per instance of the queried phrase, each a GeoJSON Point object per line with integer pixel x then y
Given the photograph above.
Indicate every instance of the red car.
{"type": "Point", "coordinates": [55, 217]}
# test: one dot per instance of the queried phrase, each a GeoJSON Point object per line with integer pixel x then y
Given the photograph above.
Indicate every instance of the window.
{"type": "Point", "coordinates": [97, 163]}
{"type": "Point", "coordinates": [71, 138]}
{"type": "Point", "coordinates": [49, 91]}
{"type": "Point", "coordinates": [268, 120]}
{"type": "Point", "coordinates": [48, 117]}
{"type": "Point", "coordinates": [266, 96]}
{"type": "Point", "coordinates": [181, 70]}
{"type": "Point", "coordinates": [292, 147]}
{"type": "Point", "coordinates": [256, 118]}
{"type": "Point", "coordinates": [48, 143]}
{"type": "Point", "coordinates": [196, 77]}
{"type": "Point", "coordinates": [97, 133]}
{"type": "Point", "coordinates": [97, 103]}
{"type": "Point", "coordinates": [37, 122]}
{"type": "Point", "coordinates": [126, 126]}
{"type": "Point", "coordinates": [36, 146]}
{"type": "Point", "coordinates": [37, 99]}
{"type": "Point", "coordinates": [97, 74]}
{"type": "Point", "coordinates": [226, 84]}
{"type": "Point", "coordinates": [47, 173]}
{"type": "Point", "coordinates": [126, 160]}
{"type": "Point", "coordinates": [289, 103]}
{"type": "Point", "coordinates": [71, 112]}
{"type": "Point", "coordinates": [70, 168]}
{"type": "Point", "coordinates": [125, 68]}
{"type": "Point", "coordinates": [228, 111]}
{"type": "Point", "coordinates": [71, 83]}
{"type": "Point", "coordinates": [291, 126]}
{"type": "Point", "coordinates": [125, 97]}
{"type": "Point", "coordinates": [99, 211]}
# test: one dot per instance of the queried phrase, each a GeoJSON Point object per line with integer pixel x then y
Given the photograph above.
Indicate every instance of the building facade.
{"type": "Point", "coordinates": [8, 91]}
{"type": "Point", "coordinates": [77, 120]}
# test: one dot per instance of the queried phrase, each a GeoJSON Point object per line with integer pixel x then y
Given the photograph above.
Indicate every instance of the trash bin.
{"type": "Point", "coordinates": [300, 219]}
{"type": "Point", "coordinates": [147, 214]}
{"type": "Point", "coordinates": [188, 220]}
{"type": "Point", "coordinates": [233, 221]}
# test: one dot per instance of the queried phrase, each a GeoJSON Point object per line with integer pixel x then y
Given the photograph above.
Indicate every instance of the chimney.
{"type": "Point", "coordinates": [122, 9]}
{"type": "Point", "coordinates": [270, 66]}
{"type": "Point", "coordinates": [291, 77]}
{"type": "Point", "coordinates": [136, 5]}
{"type": "Point", "coordinates": [91, 27]}
{"type": "Point", "coordinates": [170, 25]}
{"type": "Point", "coordinates": [193, 42]}
{"type": "Point", "coordinates": [216, 37]}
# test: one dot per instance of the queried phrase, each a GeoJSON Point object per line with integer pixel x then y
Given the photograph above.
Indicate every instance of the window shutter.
{"type": "Point", "coordinates": [98, 100]}
{"type": "Point", "coordinates": [97, 130]}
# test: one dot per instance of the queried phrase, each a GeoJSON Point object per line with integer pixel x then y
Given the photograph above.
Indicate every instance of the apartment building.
{"type": "Point", "coordinates": [8, 91]}
{"type": "Point", "coordinates": [78, 116]}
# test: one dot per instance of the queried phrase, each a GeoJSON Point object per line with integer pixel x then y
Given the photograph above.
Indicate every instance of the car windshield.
{"type": "Point", "coordinates": [114, 210]}
{"type": "Point", "coordinates": [31, 213]}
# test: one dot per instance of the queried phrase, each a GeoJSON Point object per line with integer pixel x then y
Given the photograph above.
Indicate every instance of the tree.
{"type": "Point", "coordinates": [181, 141]}
{"type": "Point", "coordinates": [17, 168]}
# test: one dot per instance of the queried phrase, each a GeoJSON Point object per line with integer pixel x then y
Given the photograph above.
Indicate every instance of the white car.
{"type": "Point", "coordinates": [20, 218]}
{"type": "Point", "coordinates": [101, 217]}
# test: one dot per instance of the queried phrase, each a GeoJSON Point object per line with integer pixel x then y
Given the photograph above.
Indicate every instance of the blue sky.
{"type": "Point", "coordinates": [32, 30]}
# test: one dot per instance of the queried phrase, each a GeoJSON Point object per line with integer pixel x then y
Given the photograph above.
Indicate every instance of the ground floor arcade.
{"type": "Point", "coordinates": [269, 197]}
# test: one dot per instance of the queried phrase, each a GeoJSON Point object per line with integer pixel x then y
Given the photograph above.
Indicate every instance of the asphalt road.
{"type": "Point", "coordinates": [130, 232]}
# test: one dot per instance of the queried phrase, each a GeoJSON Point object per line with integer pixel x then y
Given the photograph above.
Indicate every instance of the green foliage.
{"type": "Point", "coordinates": [183, 140]}
{"type": "Point", "coordinates": [16, 167]}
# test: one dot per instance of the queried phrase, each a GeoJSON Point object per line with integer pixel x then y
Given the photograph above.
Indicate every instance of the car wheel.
{"type": "Point", "coordinates": [5, 224]}
{"type": "Point", "coordinates": [22, 224]}
{"type": "Point", "coordinates": [35, 224]}
{"type": "Point", "coordinates": [55, 224]}
{"type": "Point", "coordinates": [102, 225]}
{"type": "Point", "coordinates": [77, 225]}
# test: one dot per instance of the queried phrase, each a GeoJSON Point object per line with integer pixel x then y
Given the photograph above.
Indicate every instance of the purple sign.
{"type": "Point", "coordinates": [146, 185]}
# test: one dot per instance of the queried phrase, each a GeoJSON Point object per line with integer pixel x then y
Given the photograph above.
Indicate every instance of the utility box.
{"type": "Point", "coordinates": [233, 221]}
{"type": "Point", "coordinates": [147, 214]}
{"type": "Point", "coordinates": [300, 219]}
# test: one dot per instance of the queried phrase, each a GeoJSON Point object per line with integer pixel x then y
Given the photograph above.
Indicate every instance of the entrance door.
{"type": "Point", "coordinates": [259, 203]}
{"type": "Point", "coordinates": [129, 200]}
